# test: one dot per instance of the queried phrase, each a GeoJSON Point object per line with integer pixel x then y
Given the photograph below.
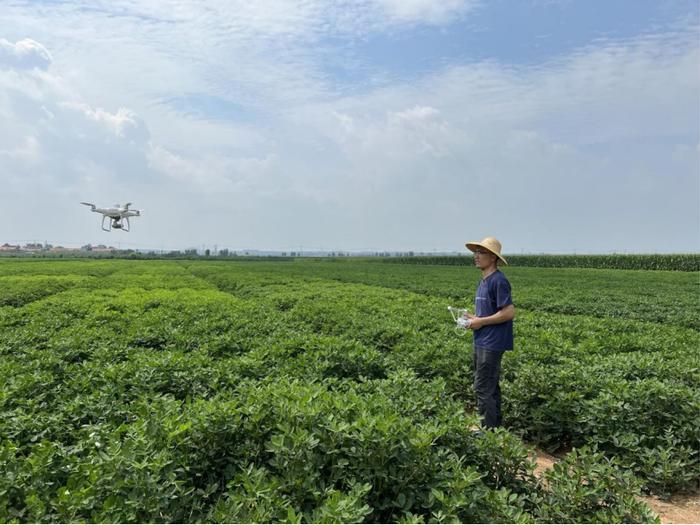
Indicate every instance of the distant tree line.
{"type": "Point", "coordinates": [689, 262]}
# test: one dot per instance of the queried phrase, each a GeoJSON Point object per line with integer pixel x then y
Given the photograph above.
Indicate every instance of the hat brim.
{"type": "Point", "coordinates": [472, 246]}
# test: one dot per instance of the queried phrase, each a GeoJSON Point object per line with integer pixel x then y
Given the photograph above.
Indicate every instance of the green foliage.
{"type": "Point", "coordinates": [687, 262]}
{"type": "Point", "coordinates": [18, 290]}
{"type": "Point", "coordinates": [587, 488]}
{"type": "Point", "coordinates": [152, 391]}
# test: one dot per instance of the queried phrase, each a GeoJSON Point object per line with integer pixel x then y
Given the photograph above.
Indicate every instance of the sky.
{"type": "Point", "coordinates": [557, 126]}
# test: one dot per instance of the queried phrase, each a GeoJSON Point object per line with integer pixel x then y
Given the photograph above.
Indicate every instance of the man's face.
{"type": "Point", "coordinates": [483, 258]}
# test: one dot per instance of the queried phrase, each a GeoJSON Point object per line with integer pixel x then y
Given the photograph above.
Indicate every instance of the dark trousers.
{"type": "Point", "coordinates": [487, 371]}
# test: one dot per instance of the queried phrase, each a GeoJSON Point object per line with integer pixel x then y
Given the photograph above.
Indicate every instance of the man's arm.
{"type": "Point", "coordinates": [506, 313]}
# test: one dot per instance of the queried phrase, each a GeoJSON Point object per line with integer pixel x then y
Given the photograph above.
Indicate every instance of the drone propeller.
{"type": "Point", "coordinates": [89, 204]}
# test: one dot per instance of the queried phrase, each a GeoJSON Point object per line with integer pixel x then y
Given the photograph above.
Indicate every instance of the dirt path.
{"type": "Point", "coordinates": [678, 509]}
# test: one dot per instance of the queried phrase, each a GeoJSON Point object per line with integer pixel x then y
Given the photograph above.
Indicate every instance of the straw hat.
{"type": "Point", "coordinates": [489, 243]}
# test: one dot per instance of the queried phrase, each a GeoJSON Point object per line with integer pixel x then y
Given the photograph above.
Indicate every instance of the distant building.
{"type": "Point", "coordinates": [101, 248]}
{"type": "Point", "coordinates": [9, 248]}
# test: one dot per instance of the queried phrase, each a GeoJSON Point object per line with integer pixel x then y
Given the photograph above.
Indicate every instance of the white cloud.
{"type": "Point", "coordinates": [400, 136]}
{"type": "Point", "coordinates": [212, 174]}
{"type": "Point", "coordinates": [426, 11]}
{"type": "Point", "coordinates": [28, 150]}
{"type": "Point", "coordinates": [567, 148]}
{"type": "Point", "coordinates": [125, 124]}
{"type": "Point", "coordinates": [538, 155]}
{"type": "Point", "coordinates": [252, 53]}
{"type": "Point", "coordinates": [52, 141]}
{"type": "Point", "coordinates": [24, 54]}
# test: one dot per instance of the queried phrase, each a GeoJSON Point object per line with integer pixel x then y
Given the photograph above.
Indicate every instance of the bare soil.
{"type": "Point", "coordinates": [680, 508]}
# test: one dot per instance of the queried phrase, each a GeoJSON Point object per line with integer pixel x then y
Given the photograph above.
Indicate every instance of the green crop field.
{"type": "Point", "coordinates": [337, 391]}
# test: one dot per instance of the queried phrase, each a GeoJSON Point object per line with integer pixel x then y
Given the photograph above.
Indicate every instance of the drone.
{"type": "Point", "coordinates": [460, 318]}
{"type": "Point", "coordinates": [118, 216]}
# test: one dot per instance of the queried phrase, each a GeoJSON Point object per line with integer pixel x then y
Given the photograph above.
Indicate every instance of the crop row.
{"type": "Point", "coordinates": [135, 405]}
{"type": "Point", "coordinates": [666, 298]}
{"type": "Point", "coordinates": [256, 396]}
{"type": "Point", "coordinates": [669, 298]}
{"type": "Point", "coordinates": [628, 388]}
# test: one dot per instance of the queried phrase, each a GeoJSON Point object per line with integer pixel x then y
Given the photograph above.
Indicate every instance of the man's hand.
{"type": "Point", "coordinates": [475, 322]}
{"type": "Point", "coordinates": [505, 314]}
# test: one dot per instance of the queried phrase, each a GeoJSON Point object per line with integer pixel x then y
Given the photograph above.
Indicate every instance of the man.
{"type": "Point", "coordinates": [492, 326]}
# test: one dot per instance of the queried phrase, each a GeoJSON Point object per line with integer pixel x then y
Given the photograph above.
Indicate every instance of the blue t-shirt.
{"type": "Point", "coordinates": [492, 295]}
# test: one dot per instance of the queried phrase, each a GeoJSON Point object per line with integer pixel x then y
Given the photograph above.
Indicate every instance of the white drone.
{"type": "Point", "coordinates": [461, 320]}
{"type": "Point", "coordinates": [116, 214]}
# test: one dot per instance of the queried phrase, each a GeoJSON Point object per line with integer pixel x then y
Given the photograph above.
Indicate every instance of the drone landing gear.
{"type": "Point", "coordinates": [459, 316]}
{"type": "Point", "coordinates": [115, 223]}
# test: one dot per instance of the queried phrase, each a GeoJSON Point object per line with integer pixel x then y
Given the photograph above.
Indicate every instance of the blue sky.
{"type": "Point", "coordinates": [556, 126]}
{"type": "Point", "coordinates": [521, 32]}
